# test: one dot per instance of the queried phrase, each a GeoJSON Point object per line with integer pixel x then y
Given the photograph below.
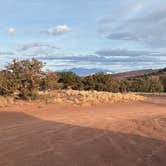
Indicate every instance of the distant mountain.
{"type": "Point", "coordinates": [137, 73]}
{"type": "Point", "coordinates": [129, 74]}
{"type": "Point", "coordinates": [84, 72]}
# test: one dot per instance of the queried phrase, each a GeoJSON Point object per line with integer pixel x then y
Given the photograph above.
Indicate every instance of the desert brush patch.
{"type": "Point", "coordinates": [87, 98]}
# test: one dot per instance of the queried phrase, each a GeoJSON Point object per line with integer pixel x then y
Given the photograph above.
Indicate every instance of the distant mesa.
{"type": "Point", "coordinates": [128, 74]}
{"type": "Point", "coordinates": [85, 72]}
{"type": "Point", "coordinates": [136, 73]}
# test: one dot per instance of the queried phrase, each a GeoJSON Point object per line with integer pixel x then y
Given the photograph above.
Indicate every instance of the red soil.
{"type": "Point", "coordinates": [36, 134]}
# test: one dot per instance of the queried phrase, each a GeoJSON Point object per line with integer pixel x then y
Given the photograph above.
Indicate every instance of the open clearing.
{"type": "Point", "coordinates": [38, 134]}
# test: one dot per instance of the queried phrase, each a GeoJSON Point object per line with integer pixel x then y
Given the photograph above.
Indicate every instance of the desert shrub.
{"type": "Point", "coordinates": [146, 84]}
{"type": "Point", "coordinates": [4, 101]}
{"type": "Point", "coordinates": [124, 85]}
{"type": "Point", "coordinates": [105, 82]}
{"type": "Point", "coordinates": [163, 81]}
{"type": "Point", "coordinates": [70, 80]}
{"type": "Point", "coordinates": [155, 85]}
{"type": "Point", "coordinates": [7, 85]}
{"type": "Point", "coordinates": [162, 71]}
{"type": "Point", "coordinates": [101, 82]}
{"type": "Point", "coordinates": [49, 81]}
{"type": "Point", "coordinates": [25, 77]}
{"type": "Point", "coordinates": [88, 83]}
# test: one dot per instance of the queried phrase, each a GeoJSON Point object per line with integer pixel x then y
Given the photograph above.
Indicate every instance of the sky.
{"type": "Point", "coordinates": [106, 35]}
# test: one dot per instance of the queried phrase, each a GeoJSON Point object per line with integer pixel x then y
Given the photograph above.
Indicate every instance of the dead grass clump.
{"type": "Point", "coordinates": [87, 98]}
{"type": "Point", "coordinates": [5, 101]}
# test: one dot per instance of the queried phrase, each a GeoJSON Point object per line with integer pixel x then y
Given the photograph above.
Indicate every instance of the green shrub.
{"type": "Point", "coordinates": [163, 81]}
{"type": "Point", "coordinates": [70, 80]}
{"type": "Point", "coordinates": [49, 81]}
{"type": "Point", "coordinates": [146, 84]}
{"type": "Point", "coordinates": [23, 77]}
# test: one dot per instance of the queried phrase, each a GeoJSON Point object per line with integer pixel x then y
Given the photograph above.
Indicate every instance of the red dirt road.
{"type": "Point", "coordinates": [34, 134]}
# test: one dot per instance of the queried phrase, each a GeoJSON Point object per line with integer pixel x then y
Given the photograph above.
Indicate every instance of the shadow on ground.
{"type": "Point", "coordinates": [28, 141]}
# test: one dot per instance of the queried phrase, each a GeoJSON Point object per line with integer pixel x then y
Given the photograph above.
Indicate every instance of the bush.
{"type": "Point", "coordinates": [7, 84]}
{"type": "Point", "coordinates": [101, 82]}
{"type": "Point", "coordinates": [50, 82]}
{"type": "Point", "coordinates": [163, 81]}
{"type": "Point", "coordinates": [88, 83]}
{"type": "Point", "coordinates": [146, 84]}
{"type": "Point", "coordinates": [70, 80]}
{"type": "Point", "coordinates": [23, 77]}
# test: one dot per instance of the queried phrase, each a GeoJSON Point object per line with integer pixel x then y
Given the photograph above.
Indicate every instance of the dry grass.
{"type": "Point", "coordinates": [87, 98]}
{"type": "Point", "coordinates": [80, 98]}
{"type": "Point", "coordinates": [5, 101]}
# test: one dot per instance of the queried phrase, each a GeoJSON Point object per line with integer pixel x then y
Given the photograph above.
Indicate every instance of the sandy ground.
{"type": "Point", "coordinates": [36, 134]}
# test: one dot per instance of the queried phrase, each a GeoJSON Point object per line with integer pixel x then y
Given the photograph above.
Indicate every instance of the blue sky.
{"type": "Point", "coordinates": [115, 35]}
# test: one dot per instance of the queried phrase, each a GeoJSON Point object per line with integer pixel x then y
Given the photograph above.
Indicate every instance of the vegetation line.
{"type": "Point", "coordinates": [24, 79]}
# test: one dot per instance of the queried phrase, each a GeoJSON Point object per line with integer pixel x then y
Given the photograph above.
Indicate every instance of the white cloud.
{"type": "Point", "coordinates": [7, 53]}
{"type": "Point", "coordinates": [128, 53]}
{"type": "Point", "coordinates": [11, 31]}
{"type": "Point", "coordinates": [35, 45]}
{"type": "Point", "coordinates": [58, 30]}
{"type": "Point", "coordinates": [144, 24]}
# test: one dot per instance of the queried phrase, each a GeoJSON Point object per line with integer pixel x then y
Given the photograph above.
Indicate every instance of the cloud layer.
{"type": "Point", "coordinates": [113, 34]}
{"type": "Point", "coordinates": [116, 60]}
{"type": "Point", "coordinates": [58, 30]}
{"type": "Point", "coordinates": [6, 53]}
{"type": "Point", "coordinates": [40, 45]}
{"type": "Point", "coordinates": [145, 23]}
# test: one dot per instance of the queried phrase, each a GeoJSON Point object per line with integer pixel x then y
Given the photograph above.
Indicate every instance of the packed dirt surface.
{"type": "Point", "coordinates": [128, 134]}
